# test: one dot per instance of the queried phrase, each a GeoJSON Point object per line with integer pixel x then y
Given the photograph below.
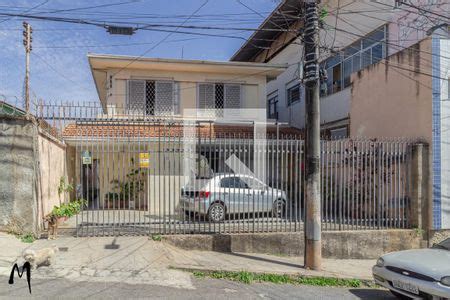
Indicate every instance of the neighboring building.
{"type": "Point", "coordinates": [10, 110]}
{"type": "Point", "coordinates": [387, 77]}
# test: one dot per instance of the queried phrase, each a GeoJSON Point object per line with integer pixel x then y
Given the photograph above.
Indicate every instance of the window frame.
{"type": "Point", "coordinates": [147, 82]}
{"type": "Point", "coordinates": [272, 98]}
{"type": "Point", "coordinates": [341, 58]}
{"type": "Point", "coordinates": [290, 86]}
{"type": "Point", "coordinates": [214, 84]}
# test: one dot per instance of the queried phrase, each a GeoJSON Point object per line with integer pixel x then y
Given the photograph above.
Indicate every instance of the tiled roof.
{"type": "Point", "coordinates": [95, 129]}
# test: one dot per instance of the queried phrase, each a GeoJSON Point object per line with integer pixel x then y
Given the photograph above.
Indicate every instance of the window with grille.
{"type": "Point", "coordinates": [272, 106]}
{"type": "Point", "coordinates": [155, 98]}
{"type": "Point", "coordinates": [293, 94]}
{"type": "Point", "coordinates": [214, 97]}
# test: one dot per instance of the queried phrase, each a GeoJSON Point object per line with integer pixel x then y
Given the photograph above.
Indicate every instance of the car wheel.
{"type": "Point", "coordinates": [400, 296]}
{"type": "Point", "coordinates": [279, 208]}
{"type": "Point", "coordinates": [216, 212]}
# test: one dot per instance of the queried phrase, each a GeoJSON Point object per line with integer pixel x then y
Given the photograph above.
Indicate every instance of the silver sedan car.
{"type": "Point", "coordinates": [417, 273]}
{"type": "Point", "coordinates": [225, 194]}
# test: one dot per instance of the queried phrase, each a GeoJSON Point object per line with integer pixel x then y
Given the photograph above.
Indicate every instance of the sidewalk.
{"type": "Point", "coordinates": [138, 260]}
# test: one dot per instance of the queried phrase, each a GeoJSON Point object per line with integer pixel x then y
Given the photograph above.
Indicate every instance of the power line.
{"type": "Point", "coordinates": [90, 7]}
{"type": "Point", "coordinates": [56, 71]}
{"type": "Point", "coordinates": [402, 8]}
{"type": "Point", "coordinates": [423, 10]}
{"type": "Point", "coordinates": [386, 42]}
{"type": "Point", "coordinates": [111, 45]}
{"type": "Point", "coordinates": [28, 10]}
{"type": "Point", "coordinates": [161, 41]}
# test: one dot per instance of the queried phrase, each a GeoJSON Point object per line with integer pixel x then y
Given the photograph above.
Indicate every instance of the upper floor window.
{"type": "Point", "coordinates": [364, 52]}
{"type": "Point", "coordinates": [272, 106]}
{"type": "Point", "coordinates": [219, 96]}
{"type": "Point", "coordinates": [152, 97]}
{"type": "Point", "coordinates": [293, 94]}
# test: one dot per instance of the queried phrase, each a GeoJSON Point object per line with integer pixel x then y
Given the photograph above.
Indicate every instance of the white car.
{"type": "Point", "coordinates": [417, 273]}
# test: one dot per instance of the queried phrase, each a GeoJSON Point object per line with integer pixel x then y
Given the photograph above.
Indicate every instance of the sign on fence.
{"type": "Point", "coordinates": [144, 160]}
{"type": "Point", "coordinates": [86, 157]}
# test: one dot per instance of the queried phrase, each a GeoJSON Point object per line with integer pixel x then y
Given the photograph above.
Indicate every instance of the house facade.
{"type": "Point", "coordinates": [175, 88]}
{"type": "Point", "coordinates": [155, 120]}
{"type": "Point", "coordinates": [387, 70]}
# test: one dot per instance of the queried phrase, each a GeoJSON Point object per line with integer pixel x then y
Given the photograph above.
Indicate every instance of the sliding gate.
{"type": "Point", "coordinates": [171, 178]}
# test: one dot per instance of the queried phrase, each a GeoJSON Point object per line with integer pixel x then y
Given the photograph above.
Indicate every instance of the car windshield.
{"type": "Point", "coordinates": [445, 244]}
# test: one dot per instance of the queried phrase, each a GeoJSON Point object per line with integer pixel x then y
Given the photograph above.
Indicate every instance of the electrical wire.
{"type": "Point", "coordinates": [161, 41]}
{"type": "Point", "coordinates": [28, 10]}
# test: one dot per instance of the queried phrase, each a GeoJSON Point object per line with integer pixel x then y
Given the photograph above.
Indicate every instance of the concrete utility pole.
{"type": "Point", "coordinates": [313, 243]}
{"type": "Point", "coordinates": [27, 39]}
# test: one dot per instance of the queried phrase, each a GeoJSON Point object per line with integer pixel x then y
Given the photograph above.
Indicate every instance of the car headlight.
{"type": "Point", "coordinates": [445, 280]}
{"type": "Point", "coordinates": [380, 262]}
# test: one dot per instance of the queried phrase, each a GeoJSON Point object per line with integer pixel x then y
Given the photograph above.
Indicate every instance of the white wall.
{"type": "Point", "coordinates": [294, 114]}
{"type": "Point", "coordinates": [336, 106]}
{"type": "Point", "coordinates": [253, 86]}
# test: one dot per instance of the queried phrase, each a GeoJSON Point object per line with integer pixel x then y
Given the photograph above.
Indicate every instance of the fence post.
{"type": "Point", "coordinates": [418, 212]}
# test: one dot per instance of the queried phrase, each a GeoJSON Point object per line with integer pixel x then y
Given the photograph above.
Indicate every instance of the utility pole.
{"type": "Point", "coordinates": [313, 243]}
{"type": "Point", "coordinates": [27, 39]}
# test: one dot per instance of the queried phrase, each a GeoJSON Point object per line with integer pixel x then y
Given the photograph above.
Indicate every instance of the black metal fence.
{"type": "Point", "coordinates": [167, 175]}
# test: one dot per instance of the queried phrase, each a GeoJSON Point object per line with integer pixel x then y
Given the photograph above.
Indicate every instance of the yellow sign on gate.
{"type": "Point", "coordinates": [144, 160]}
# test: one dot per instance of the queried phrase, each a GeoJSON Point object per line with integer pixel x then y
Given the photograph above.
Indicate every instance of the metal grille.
{"type": "Point", "coordinates": [155, 98]}
{"type": "Point", "coordinates": [136, 96]}
{"type": "Point", "coordinates": [206, 100]}
{"type": "Point", "coordinates": [165, 96]}
{"type": "Point", "coordinates": [152, 175]}
{"type": "Point", "coordinates": [232, 96]}
{"type": "Point", "coordinates": [216, 98]}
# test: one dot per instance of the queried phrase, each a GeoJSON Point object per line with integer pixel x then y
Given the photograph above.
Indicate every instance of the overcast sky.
{"type": "Point", "coordinates": [59, 68]}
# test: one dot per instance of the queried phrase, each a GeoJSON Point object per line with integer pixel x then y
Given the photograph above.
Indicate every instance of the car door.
{"type": "Point", "coordinates": [231, 192]}
{"type": "Point", "coordinates": [255, 195]}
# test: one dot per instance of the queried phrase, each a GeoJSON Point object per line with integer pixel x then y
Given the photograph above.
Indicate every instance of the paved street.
{"type": "Point", "coordinates": [136, 267]}
{"type": "Point", "coordinates": [202, 289]}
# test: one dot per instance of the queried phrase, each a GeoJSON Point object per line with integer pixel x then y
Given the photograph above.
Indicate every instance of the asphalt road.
{"type": "Point", "coordinates": [204, 288]}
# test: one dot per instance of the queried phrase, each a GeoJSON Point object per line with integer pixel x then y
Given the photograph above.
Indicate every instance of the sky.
{"type": "Point", "coordinates": [59, 69]}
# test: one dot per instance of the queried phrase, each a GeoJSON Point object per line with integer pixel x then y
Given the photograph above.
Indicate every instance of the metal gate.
{"type": "Point", "coordinates": [142, 175]}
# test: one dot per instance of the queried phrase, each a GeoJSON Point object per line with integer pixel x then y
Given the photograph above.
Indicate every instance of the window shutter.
{"type": "Point", "coordinates": [176, 99]}
{"type": "Point", "coordinates": [164, 103]}
{"type": "Point", "coordinates": [136, 96]}
{"type": "Point", "coordinates": [206, 99]}
{"type": "Point", "coordinates": [232, 96]}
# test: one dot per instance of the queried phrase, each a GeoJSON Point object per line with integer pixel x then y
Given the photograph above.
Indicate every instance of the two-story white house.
{"type": "Point", "coordinates": [152, 116]}
{"type": "Point", "coordinates": [173, 87]}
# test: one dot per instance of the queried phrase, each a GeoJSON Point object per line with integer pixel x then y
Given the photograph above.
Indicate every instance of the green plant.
{"type": "Point", "coordinates": [27, 237]}
{"type": "Point", "coordinates": [64, 186]}
{"type": "Point", "coordinates": [68, 209]}
{"type": "Point", "coordinates": [156, 237]}
{"type": "Point", "coordinates": [249, 277]}
{"type": "Point", "coordinates": [419, 231]}
{"type": "Point", "coordinates": [129, 188]}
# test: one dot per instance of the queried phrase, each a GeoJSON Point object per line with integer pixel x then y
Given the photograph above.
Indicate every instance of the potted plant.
{"type": "Point", "coordinates": [67, 210]}
{"type": "Point", "coordinates": [125, 193]}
